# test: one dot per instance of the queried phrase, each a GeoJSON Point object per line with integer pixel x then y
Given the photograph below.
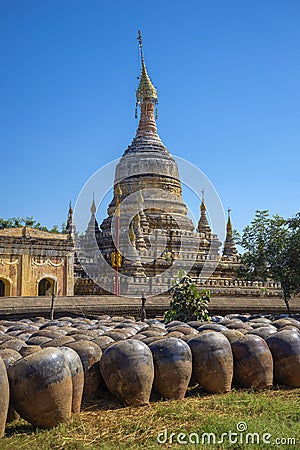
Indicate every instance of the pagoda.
{"type": "Point", "coordinates": [147, 236]}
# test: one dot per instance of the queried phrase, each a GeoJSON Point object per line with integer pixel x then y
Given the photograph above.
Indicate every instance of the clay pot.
{"type": "Point", "coordinates": [241, 326]}
{"type": "Point", "coordinates": [212, 361]}
{"type": "Point", "coordinates": [24, 336]}
{"type": "Point", "coordinates": [255, 325]}
{"type": "Point", "coordinates": [119, 334]}
{"type": "Point", "coordinates": [51, 334]}
{"type": "Point", "coordinates": [253, 363]}
{"type": "Point", "coordinates": [77, 374]}
{"type": "Point", "coordinates": [25, 351]}
{"type": "Point", "coordinates": [232, 335]}
{"type": "Point", "coordinates": [148, 340]}
{"type": "Point", "coordinates": [4, 397]}
{"type": "Point", "coordinates": [187, 337]}
{"type": "Point", "coordinates": [172, 367]}
{"type": "Point", "coordinates": [174, 334]}
{"type": "Point", "coordinates": [9, 356]}
{"type": "Point", "coordinates": [41, 388]}
{"type": "Point", "coordinates": [58, 342]}
{"type": "Point", "coordinates": [151, 333]}
{"type": "Point", "coordinates": [80, 337]}
{"type": "Point", "coordinates": [90, 354]}
{"type": "Point", "coordinates": [15, 344]}
{"type": "Point", "coordinates": [263, 332]}
{"type": "Point", "coordinates": [285, 348]}
{"type": "Point", "coordinates": [212, 326]}
{"type": "Point", "coordinates": [279, 323]}
{"type": "Point", "coordinates": [260, 320]}
{"type": "Point", "coordinates": [128, 371]}
{"type": "Point", "coordinates": [195, 323]}
{"type": "Point", "coordinates": [38, 340]}
{"type": "Point", "coordinates": [103, 341]}
{"type": "Point", "coordinates": [140, 337]}
{"type": "Point", "coordinates": [184, 330]}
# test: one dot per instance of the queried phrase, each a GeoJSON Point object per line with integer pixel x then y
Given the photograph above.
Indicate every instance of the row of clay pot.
{"type": "Point", "coordinates": [52, 365]}
{"type": "Point", "coordinates": [44, 387]}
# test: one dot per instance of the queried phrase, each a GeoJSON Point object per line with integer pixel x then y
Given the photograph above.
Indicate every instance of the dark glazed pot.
{"type": "Point", "coordinates": [263, 332]}
{"type": "Point", "coordinates": [172, 367]}
{"type": "Point", "coordinates": [15, 344]}
{"type": "Point", "coordinates": [285, 348]}
{"type": "Point", "coordinates": [213, 327]}
{"type": "Point", "coordinates": [25, 351]}
{"type": "Point", "coordinates": [4, 397]}
{"type": "Point", "coordinates": [9, 356]}
{"type": "Point", "coordinates": [232, 335]}
{"type": "Point", "coordinates": [128, 371]}
{"type": "Point", "coordinates": [58, 342]}
{"type": "Point", "coordinates": [253, 362]}
{"type": "Point", "coordinates": [90, 354]}
{"type": "Point", "coordinates": [212, 361]}
{"type": "Point", "coordinates": [41, 388]}
{"type": "Point", "coordinates": [77, 373]}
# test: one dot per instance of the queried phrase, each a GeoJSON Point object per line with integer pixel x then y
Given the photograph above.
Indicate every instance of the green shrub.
{"type": "Point", "coordinates": [187, 302]}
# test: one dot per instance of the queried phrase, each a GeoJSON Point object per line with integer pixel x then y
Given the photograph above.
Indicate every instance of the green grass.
{"type": "Point", "coordinates": [107, 425]}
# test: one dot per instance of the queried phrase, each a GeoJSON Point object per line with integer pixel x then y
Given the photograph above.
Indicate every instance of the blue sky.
{"type": "Point", "coordinates": [227, 74]}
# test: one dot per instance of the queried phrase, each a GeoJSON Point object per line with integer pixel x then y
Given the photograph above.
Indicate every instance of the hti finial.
{"type": "Point", "coordinates": [146, 90]}
{"type": "Point", "coordinates": [202, 206]}
{"type": "Point", "coordinates": [229, 211]}
{"type": "Point", "coordinates": [139, 38]}
{"type": "Point", "coordinates": [93, 206]}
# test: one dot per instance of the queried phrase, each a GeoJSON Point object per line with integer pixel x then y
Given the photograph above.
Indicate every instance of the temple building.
{"type": "Point", "coordinates": [147, 236]}
{"type": "Point", "coordinates": [36, 263]}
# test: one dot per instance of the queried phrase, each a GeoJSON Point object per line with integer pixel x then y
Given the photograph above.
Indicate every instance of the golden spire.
{"type": "Point", "coordinates": [146, 90]}
{"type": "Point", "coordinates": [229, 226]}
{"type": "Point", "coordinates": [93, 206]}
{"type": "Point", "coordinates": [118, 191]}
{"type": "Point", "coordinates": [140, 197]}
{"type": "Point", "coordinates": [202, 207]}
{"type": "Point", "coordinates": [132, 236]}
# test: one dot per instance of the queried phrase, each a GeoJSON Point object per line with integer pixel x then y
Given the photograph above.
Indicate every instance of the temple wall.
{"type": "Point", "coordinates": [35, 263]}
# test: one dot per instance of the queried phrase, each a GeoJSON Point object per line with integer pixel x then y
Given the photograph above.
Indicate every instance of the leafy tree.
{"type": "Point", "coordinates": [29, 221]}
{"type": "Point", "coordinates": [254, 260]}
{"type": "Point", "coordinates": [187, 303]}
{"type": "Point", "coordinates": [272, 251]}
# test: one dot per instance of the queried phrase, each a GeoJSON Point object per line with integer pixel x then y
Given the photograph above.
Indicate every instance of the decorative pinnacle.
{"type": "Point", "coordinates": [132, 236]}
{"type": "Point", "coordinates": [140, 197]}
{"type": "Point", "coordinates": [203, 207]}
{"type": "Point", "coordinates": [146, 90]}
{"type": "Point", "coordinates": [93, 206]}
{"type": "Point", "coordinates": [118, 191]}
{"type": "Point", "coordinates": [229, 226]}
{"type": "Point", "coordinates": [70, 208]}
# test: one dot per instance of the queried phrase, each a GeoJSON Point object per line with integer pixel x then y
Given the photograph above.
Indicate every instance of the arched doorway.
{"type": "Point", "coordinates": [46, 287]}
{"type": "Point", "coordinates": [5, 285]}
{"type": "Point", "coordinates": [2, 288]}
